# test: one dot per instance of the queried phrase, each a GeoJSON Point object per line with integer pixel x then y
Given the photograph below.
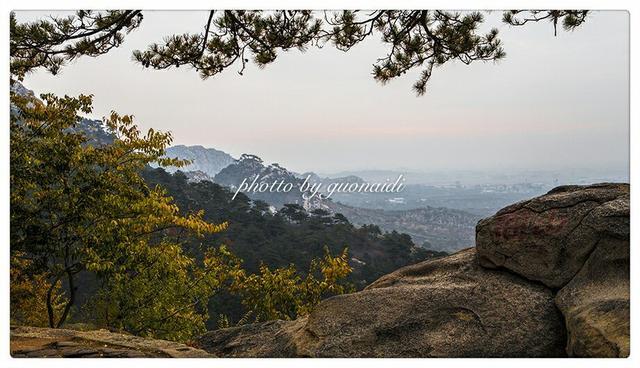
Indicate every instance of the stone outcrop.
{"type": "Point", "coordinates": [549, 277]}
{"type": "Point", "coordinates": [269, 339]}
{"type": "Point", "coordinates": [550, 237]}
{"type": "Point", "coordinates": [450, 307]}
{"type": "Point", "coordinates": [574, 239]}
{"type": "Point", "coordinates": [35, 342]}
{"type": "Point", "coordinates": [595, 304]}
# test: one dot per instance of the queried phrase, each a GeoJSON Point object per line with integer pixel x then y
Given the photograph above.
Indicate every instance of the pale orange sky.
{"type": "Point", "coordinates": [554, 102]}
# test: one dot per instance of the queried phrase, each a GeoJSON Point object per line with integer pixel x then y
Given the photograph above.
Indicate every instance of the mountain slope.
{"type": "Point", "coordinates": [291, 235]}
{"type": "Point", "coordinates": [440, 229]}
{"type": "Point", "coordinates": [208, 160]}
{"type": "Point", "coordinates": [248, 167]}
{"type": "Point", "coordinates": [434, 228]}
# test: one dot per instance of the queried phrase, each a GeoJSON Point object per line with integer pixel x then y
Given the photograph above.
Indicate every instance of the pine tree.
{"type": "Point", "coordinates": [415, 39]}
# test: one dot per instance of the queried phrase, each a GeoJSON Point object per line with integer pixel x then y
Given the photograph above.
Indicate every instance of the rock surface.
{"type": "Point", "coordinates": [35, 342]}
{"type": "Point", "coordinates": [450, 307]}
{"type": "Point", "coordinates": [595, 302]}
{"type": "Point", "coordinates": [575, 239]}
{"type": "Point", "coordinates": [268, 339]}
{"type": "Point", "coordinates": [549, 238]}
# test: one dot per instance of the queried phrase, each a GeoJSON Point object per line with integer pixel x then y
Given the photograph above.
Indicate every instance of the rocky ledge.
{"type": "Point", "coordinates": [548, 277]}
{"type": "Point", "coordinates": [35, 342]}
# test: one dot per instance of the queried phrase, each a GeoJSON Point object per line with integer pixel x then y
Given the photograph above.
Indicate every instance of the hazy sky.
{"type": "Point", "coordinates": [553, 103]}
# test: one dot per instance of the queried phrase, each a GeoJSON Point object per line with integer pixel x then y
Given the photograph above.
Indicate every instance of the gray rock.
{"type": "Point", "coordinates": [450, 307]}
{"type": "Point", "coordinates": [79, 352]}
{"type": "Point", "coordinates": [66, 344]}
{"type": "Point", "coordinates": [268, 339]}
{"type": "Point", "coordinates": [42, 353]}
{"type": "Point", "coordinates": [595, 302]}
{"type": "Point", "coordinates": [575, 239]}
{"type": "Point", "coordinates": [550, 237]}
{"type": "Point", "coordinates": [94, 343]}
{"type": "Point", "coordinates": [206, 160]}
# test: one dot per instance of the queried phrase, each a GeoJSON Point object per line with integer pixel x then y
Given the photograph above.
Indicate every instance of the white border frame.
{"type": "Point", "coordinates": [632, 6]}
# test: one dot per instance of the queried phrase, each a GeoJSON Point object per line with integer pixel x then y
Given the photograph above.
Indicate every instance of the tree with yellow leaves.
{"type": "Point", "coordinates": [29, 291]}
{"type": "Point", "coordinates": [285, 294]}
{"type": "Point", "coordinates": [81, 207]}
{"type": "Point", "coordinates": [78, 206]}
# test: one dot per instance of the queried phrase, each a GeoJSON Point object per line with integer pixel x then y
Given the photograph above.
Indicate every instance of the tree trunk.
{"type": "Point", "coordinates": [49, 305]}
{"type": "Point", "coordinates": [72, 297]}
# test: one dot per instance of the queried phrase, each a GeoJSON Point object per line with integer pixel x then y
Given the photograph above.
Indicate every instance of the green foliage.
{"type": "Point", "coordinates": [29, 291]}
{"type": "Point", "coordinates": [164, 293]}
{"type": "Point", "coordinates": [415, 39]}
{"type": "Point", "coordinates": [231, 36]}
{"type": "Point", "coordinates": [79, 207]}
{"type": "Point", "coordinates": [571, 19]}
{"type": "Point", "coordinates": [52, 42]}
{"type": "Point", "coordinates": [285, 294]}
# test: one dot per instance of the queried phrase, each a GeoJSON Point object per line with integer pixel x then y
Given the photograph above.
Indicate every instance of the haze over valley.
{"type": "Point", "coordinates": [439, 210]}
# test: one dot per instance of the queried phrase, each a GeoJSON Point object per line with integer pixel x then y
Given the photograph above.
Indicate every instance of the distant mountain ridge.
{"type": "Point", "coordinates": [207, 160]}
{"type": "Point", "coordinates": [313, 177]}
{"type": "Point", "coordinates": [247, 167]}
{"type": "Point", "coordinates": [434, 228]}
